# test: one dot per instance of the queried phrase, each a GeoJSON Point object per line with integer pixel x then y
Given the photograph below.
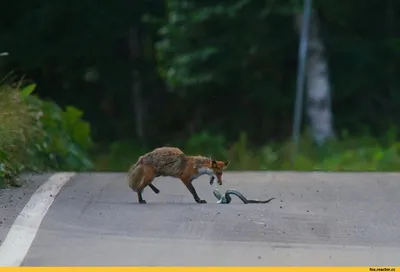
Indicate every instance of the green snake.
{"type": "Point", "coordinates": [226, 199]}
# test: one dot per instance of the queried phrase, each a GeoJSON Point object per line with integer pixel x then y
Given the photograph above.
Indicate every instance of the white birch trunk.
{"type": "Point", "coordinates": [319, 110]}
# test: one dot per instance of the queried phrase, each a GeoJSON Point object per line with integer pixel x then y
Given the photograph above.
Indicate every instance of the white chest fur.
{"type": "Point", "coordinates": [202, 171]}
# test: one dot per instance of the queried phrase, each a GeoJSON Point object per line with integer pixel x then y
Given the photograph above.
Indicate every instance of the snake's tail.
{"type": "Point", "coordinates": [245, 200]}
{"type": "Point", "coordinates": [260, 201]}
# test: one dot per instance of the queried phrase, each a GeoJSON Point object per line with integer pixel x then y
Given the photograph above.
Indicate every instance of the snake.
{"type": "Point", "coordinates": [226, 199]}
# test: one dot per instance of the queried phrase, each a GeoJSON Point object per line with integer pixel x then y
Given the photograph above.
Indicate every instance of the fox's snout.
{"type": "Point", "coordinates": [219, 179]}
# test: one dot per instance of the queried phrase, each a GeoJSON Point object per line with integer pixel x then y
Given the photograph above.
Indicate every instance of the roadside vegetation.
{"type": "Point", "coordinates": [343, 154]}
{"type": "Point", "coordinates": [37, 135]}
{"type": "Point", "coordinates": [213, 78]}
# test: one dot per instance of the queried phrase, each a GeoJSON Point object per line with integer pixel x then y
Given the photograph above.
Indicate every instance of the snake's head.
{"type": "Point", "coordinates": [217, 168]}
{"type": "Point", "coordinates": [221, 198]}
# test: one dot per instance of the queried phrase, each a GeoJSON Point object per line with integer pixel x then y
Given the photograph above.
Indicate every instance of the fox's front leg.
{"type": "Point", "coordinates": [188, 184]}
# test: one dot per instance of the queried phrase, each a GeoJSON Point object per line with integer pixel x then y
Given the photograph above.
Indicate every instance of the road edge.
{"type": "Point", "coordinates": [23, 231]}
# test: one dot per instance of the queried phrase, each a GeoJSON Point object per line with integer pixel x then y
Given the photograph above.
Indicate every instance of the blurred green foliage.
{"type": "Point", "coordinates": [217, 79]}
{"type": "Point", "coordinates": [224, 67]}
{"type": "Point", "coordinates": [345, 153]}
{"type": "Point", "coordinates": [37, 135]}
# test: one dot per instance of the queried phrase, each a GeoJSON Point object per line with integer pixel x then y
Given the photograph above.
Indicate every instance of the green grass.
{"type": "Point", "coordinates": [16, 129]}
{"type": "Point", "coordinates": [343, 154]}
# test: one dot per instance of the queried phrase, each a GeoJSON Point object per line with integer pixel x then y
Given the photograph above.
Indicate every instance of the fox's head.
{"type": "Point", "coordinates": [217, 167]}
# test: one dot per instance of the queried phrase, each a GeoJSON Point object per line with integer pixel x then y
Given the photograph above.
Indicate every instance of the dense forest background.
{"type": "Point", "coordinates": [213, 77]}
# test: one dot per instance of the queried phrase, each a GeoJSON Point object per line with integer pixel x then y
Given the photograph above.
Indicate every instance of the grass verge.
{"type": "Point", "coordinates": [16, 130]}
{"type": "Point", "coordinates": [37, 135]}
{"type": "Point", "coordinates": [346, 153]}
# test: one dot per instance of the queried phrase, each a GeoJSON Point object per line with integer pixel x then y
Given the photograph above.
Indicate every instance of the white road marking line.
{"type": "Point", "coordinates": [26, 225]}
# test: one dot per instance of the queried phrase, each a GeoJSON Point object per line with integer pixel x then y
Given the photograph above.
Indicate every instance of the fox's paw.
{"type": "Point", "coordinates": [201, 201]}
{"type": "Point", "coordinates": [142, 201]}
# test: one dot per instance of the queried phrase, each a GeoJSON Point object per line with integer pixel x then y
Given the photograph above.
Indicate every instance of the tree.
{"type": "Point", "coordinates": [318, 84]}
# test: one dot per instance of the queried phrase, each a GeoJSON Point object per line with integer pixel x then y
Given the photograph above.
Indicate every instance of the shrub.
{"type": "Point", "coordinates": [65, 139]}
{"type": "Point", "coordinates": [206, 144]}
{"type": "Point", "coordinates": [16, 129]}
{"type": "Point", "coordinates": [343, 154]}
{"type": "Point", "coordinates": [119, 156]}
{"type": "Point", "coordinates": [37, 135]}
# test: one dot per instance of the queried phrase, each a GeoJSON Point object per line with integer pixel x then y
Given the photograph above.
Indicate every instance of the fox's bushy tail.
{"type": "Point", "coordinates": [135, 175]}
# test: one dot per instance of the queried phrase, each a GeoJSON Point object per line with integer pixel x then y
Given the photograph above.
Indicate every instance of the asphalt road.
{"type": "Point", "coordinates": [316, 219]}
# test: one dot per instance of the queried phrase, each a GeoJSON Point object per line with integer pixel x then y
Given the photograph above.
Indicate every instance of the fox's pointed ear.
{"type": "Point", "coordinates": [213, 164]}
{"type": "Point", "coordinates": [226, 163]}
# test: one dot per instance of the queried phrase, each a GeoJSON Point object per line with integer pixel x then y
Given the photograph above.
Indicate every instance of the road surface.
{"type": "Point", "coordinates": [316, 219]}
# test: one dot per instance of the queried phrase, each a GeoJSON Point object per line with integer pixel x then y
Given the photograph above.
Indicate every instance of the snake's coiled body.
{"type": "Point", "coordinates": [226, 199]}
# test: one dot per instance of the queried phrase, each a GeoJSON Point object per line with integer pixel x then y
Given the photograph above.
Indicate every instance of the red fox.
{"type": "Point", "coordinates": [172, 162]}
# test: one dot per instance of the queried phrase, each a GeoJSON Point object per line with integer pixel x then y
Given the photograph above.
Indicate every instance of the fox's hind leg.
{"type": "Point", "coordinates": [139, 192]}
{"type": "Point", "coordinates": [140, 198]}
{"type": "Point", "coordinates": [147, 180]}
{"type": "Point", "coordinates": [154, 188]}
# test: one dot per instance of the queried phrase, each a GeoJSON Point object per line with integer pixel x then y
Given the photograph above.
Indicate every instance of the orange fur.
{"type": "Point", "coordinates": [172, 162]}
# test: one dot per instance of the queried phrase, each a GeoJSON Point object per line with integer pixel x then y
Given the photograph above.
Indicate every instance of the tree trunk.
{"type": "Point", "coordinates": [138, 105]}
{"type": "Point", "coordinates": [136, 95]}
{"type": "Point", "coordinates": [318, 105]}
